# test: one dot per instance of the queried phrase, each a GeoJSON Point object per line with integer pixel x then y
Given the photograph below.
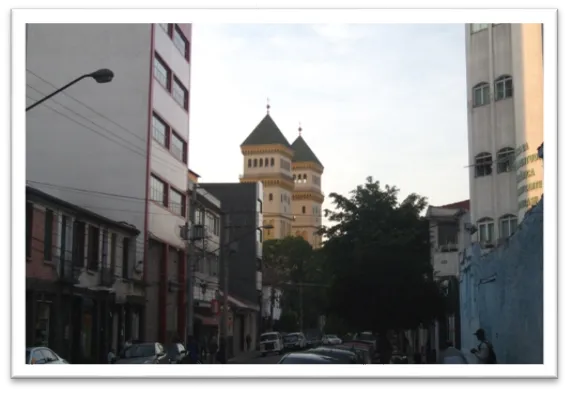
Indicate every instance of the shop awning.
{"type": "Point", "coordinates": [207, 321]}
{"type": "Point", "coordinates": [240, 304]}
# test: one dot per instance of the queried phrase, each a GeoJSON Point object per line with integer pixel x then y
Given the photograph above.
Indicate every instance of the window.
{"type": "Point", "coordinates": [48, 235]}
{"type": "Point", "coordinates": [316, 180]}
{"type": "Point", "coordinates": [114, 237]}
{"type": "Point", "coordinates": [270, 196]}
{"type": "Point", "coordinates": [304, 178]}
{"type": "Point", "coordinates": [260, 162]}
{"type": "Point", "coordinates": [93, 248]}
{"type": "Point", "coordinates": [165, 27]}
{"type": "Point", "coordinates": [447, 235]}
{"type": "Point", "coordinates": [181, 43]}
{"type": "Point", "coordinates": [303, 209]}
{"type": "Point", "coordinates": [486, 230]}
{"type": "Point", "coordinates": [125, 256]}
{"type": "Point", "coordinates": [216, 229]}
{"type": "Point", "coordinates": [162, 72]}
{"type": "Point", "coordinates": [272, 162]}
{"type": "Point", "coordinates": [105, 251]}
{"type": "Point", "coordinates": [178, 147]}
{"type": "Point", "coordinates": [476, 27]}
{"type": "Point", "coordinates": [66, 239]}
{"type": "Point", "coordinates": [177, 203]}
{"type": "Point", "coordinates": [255, 163]}
{"type": "Point", "coordinates": [481, 94]}
{"type": "Point", "coordinates": [266, 162]}
{"type": "Point", "coordinates": [180, 93]}
{"type": "Point", "coordinates": [79, 243]}
{"type": "Point", "coordinates": [508, 225]}
{"type": "Point", "coordinates": [503, 87]}
{"type": "Point", "coordinates": [29, 227]}
{"type": "Point", "coordinates": [483, 165]}
{"type": "Point", "coordinates": [159, 130]}
{"type": "Point", "coordinates": [505, 160]}
{"type": "Point", "coordinates": [249, 163]}
{"type": "Point", "coordinates": [158, 191]}
{"type": "Point", "coordinates": [199, 217]}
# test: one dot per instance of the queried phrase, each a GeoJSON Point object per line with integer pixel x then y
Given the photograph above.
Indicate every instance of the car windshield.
{"type": "Point", "coordinates": [139, 351]}
{"type": "Point", "coordinates": [268, 337]}
{"type": "Point", "coordinates": [291, 337]}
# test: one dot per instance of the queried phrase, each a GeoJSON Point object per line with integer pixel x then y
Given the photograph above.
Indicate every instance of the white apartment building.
{"type": "Point", "coordinates": [119, 149]}
{"type": "Point", "coordinates": [505, 125]}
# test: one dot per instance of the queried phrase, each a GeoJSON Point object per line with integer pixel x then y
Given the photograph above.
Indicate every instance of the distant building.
{"type": "Point", "coordinates": [505, 124]}
{"type": "Point", "coordinates": [79, 280]}
{"type": "Point", "coordinates": [243, 205]}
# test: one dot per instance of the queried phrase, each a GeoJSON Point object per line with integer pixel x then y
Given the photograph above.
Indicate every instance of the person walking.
{"type": "Point", "coordinates": [450, 355]}
{"type": "Point", "coordinates": [485, 351]}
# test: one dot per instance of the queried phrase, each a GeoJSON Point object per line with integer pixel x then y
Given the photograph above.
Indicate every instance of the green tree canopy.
{"type": "Point", "coordinates": [377, 253]}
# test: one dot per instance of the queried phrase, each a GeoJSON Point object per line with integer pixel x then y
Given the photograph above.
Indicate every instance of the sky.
{"type": "Point", "coordinates": [383, 100]}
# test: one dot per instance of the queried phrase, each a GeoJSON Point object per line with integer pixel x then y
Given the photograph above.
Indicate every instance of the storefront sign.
{"type": "Point", "coordinates": [528, 186]}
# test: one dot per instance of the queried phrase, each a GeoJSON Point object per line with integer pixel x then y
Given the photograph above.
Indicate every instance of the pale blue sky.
{"type": "Point", "coordinates": [387, 101]}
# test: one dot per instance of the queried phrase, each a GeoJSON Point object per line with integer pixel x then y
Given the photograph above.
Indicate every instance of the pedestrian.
{"type": "Point", "coordinates": [248, 340]}
{"type": "Point", "coordinates": [485, 350]}
{"type": "Point", "coordinates": [450, 355]}
{"type": "Point", "coordinates": [222, 351]}
{"type": "Point", "coordinates": [212, 349]}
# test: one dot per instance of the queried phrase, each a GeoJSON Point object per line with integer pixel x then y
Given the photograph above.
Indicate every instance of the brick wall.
{"type": "Point", "coordinates": [36, 266]}
{"type": "Point", "coordinates": [502, 292]}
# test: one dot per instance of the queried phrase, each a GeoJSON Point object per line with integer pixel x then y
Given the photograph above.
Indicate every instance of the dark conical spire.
{"type": "Point", "coordinates": [303, 152]}
{"type": "Point", "coordinates": [266, 133]}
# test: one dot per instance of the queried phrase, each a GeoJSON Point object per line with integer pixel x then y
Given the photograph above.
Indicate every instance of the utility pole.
{"type": "Point", "coordinates": [190, 265]}
{"type": "Point", "coordinates": [272, 307]}
{"type": "Point", "coordinates": [224, 255]}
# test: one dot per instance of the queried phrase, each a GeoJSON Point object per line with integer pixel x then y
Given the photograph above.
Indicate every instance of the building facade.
{"type": "Point", "coordinates": [82, 298]}
{"type": "Point", "coordinates": [119, 148]}
{"type": "Point", "coordinates": [206, 252]}
{"type": "Point", "coordinates": [242, 205]}
{"type": "Point", "coordinates": [505, 125]}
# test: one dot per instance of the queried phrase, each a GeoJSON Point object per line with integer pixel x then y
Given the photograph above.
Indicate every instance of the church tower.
{"type": "Point", "coordinates": [307, 197]}
{"type": "Point", "coordinates": [267, 157]}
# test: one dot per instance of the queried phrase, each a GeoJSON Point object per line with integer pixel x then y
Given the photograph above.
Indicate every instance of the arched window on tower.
{"type": "Point", "coordinates": [481, 94]}
{"type": "Point", "coordinates": [303, 209]}
{"type": "Point", "coordinates": [486, 232]}
{"type": "Point", "coordinates": [260, 162]}
{"type": "Point", "coordinates": [483, 165]}
{"type": "Point", "coordinates": [503, 87]}
{"type": "Point", "coordinates": [272, 161]}
{"type": "Point", "coordinates": [255, 163]}
{"type": "Point", "coordinates": [505, 159]}
{"type": "Point", "coordinates": [271, 196]}
{"type": "Point", "coordinates": [249, 163]}
{"type": "Point", "coordinates": [508, 225]}
{"type": "Point", "coordinates": [266, 162]}
{"type": "Point", "coordinates": [304, 178]}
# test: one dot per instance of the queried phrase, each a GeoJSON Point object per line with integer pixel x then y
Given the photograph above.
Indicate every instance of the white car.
{"type": "Point", "coordinates": [271, 342]}
{"type": "Point", "coordinates": [295, 341]}
{"type": "Point", "coordinates": [331, 339]}
{"type": "Point", "coordinates": [43, 355]}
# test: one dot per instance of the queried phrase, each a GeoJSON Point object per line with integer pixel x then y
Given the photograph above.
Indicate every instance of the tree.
{"type": "Point", "coordinates": [378, 255]}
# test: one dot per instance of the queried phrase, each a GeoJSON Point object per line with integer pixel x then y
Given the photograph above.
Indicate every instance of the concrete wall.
{"type": "Point", "coordinates": [502, 292]}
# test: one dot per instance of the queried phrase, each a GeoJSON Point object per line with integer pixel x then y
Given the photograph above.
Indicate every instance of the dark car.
{"type": "Point", "coordinates": [362, 350]}
{"type": "Point", "coordinates": [43, 355]}
{"type": "Point", "coordinates": [342, 355]}
{"type": "Point", "coordinates": [143, 353]}
{"type": "Point", "coordinates": [307, 358]}
{"type": "Point", "coordinates": [178, 354]}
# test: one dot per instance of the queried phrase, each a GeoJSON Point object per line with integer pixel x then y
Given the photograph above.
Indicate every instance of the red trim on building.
{"type": "Point", "coordinates": [163, 294]}
{"type": "Point", "coordinates": [458, 205]}
{"type": "Point", "coordinates": [182, 295]}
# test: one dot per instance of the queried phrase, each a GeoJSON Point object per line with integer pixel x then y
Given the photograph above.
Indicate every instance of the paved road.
{"type": "Point", "coordinates": [268, 359]}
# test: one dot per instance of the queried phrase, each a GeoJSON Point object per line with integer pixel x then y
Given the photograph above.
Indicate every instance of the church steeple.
{"type": "Point", "coordinates": [303, 152]}
{"type": "Point", "coordinates": [266, 133]}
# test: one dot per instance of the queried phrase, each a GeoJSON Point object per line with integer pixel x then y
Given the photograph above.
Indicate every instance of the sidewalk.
{"type": "Point", "coordinates": [244, 357]}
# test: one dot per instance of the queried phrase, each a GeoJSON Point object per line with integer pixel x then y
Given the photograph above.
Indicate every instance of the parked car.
{"type": "Point", "coordinates": [43, 355]}
{"type": "Point", "coordinates": [295, 341]}
{"type": "Point", "coordinates": [307, 358]}
{"type": "Point", "coordinates": [313, 339]}
{"type": "Point", "coordinates": [271, 342]}
{"type": "Point", "coordinates": [143, 353]}
{"type": "Point", "coordinates": [331, 339]}
{"type": "Point", "coordinates": [178, 354]}
{"type": "Point", "coordinates": [363, 350]}
{"type": "Point", "coordinates": [342, 355]}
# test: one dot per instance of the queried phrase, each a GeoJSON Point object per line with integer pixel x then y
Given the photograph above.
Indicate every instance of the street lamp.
{"type": "Point", "coordinates": [104, 75]}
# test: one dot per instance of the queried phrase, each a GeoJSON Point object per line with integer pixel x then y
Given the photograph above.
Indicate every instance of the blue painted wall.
{"type": "Point", "coordinates": [502, 292]}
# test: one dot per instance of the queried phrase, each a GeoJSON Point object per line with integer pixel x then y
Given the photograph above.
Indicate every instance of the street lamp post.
{"type": "Point", "coordinates": [225, 261]}
{"type": "Point", "coordinates": [104, 75]}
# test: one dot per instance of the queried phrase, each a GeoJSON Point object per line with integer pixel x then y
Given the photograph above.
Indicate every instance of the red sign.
{"type": "Point", "coordinates": [215, 307]}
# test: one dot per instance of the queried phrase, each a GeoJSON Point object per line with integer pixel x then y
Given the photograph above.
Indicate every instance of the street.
{"type": "Point", "coordinates": [268, 359]}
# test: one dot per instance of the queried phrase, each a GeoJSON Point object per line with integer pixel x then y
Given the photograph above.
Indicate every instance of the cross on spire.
{"type": "Point", "coordinates": [299, 129]}
{"type": "Point", "coordinates": [268, 105]}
